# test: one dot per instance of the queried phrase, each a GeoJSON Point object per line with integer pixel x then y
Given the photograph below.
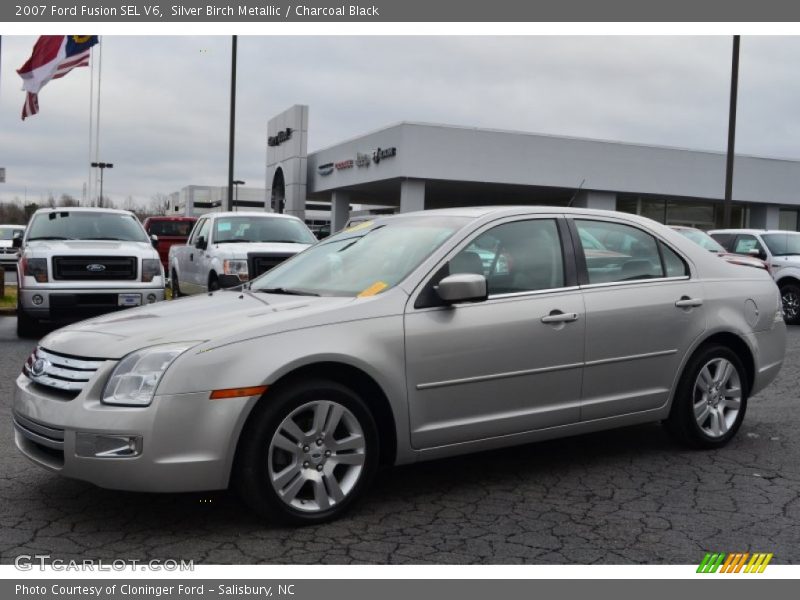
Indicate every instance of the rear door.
{"type": "Point", "coordinates": [643, 312]}
{"type": "Point", "coordinates": [192, 260]}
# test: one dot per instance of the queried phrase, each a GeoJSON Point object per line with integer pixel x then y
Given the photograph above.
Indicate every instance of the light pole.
{"type": "Point", "coordinates": [236, 183]}
{"type": "Point", "coordinates": [726, 207]}
{"type": "Point", "coordinates": [102, 166]}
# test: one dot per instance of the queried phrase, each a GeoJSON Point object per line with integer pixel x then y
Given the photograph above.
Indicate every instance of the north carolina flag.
{"type": "Point", "coordinates": [53, 56]}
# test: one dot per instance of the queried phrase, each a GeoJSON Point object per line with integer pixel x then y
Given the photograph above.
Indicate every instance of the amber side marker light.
{"type": "Point", "coordinates": [238, 392]}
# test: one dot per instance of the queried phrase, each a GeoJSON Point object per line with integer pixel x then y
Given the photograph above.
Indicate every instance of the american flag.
{"type": "Point", "coordinates": [53, 57]}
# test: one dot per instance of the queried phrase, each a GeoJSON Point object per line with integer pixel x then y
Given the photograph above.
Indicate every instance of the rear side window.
{"type": "Point", "coordinates": [615, 252]}
{"type": "Point", "coordinates": [673, 264]}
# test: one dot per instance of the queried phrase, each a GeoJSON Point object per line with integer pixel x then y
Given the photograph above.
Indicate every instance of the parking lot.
{"type": "Point", "coordinates": [625, 496]}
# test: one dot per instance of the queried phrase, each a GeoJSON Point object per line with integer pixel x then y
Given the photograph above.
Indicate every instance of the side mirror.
{"type": "Point", "coordinates": [154, 241]}
{"type": "Point", "coordinates": [16, 242]}
{"type": "Point", "coordinates": [201, 243]}
{"type": "Point", "coordinates": [462, 287]}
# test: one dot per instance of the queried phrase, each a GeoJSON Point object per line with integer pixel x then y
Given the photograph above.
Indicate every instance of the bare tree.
{"type": "Point", "coordinates": [67, 200]}
{"type": "Point", "coordinates": [160, 204]}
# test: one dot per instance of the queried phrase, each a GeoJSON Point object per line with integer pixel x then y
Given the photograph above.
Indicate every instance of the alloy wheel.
{"type": "Point", "coordinates": [717, 397]}
{"type": "Point", "coordinates": [316, 456]}
{"type": "Point", "coordinates": [791, 304]}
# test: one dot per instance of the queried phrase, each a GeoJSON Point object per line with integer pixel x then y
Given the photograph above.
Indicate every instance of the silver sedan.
{"type": "Point", "coordinates": [402, 339]}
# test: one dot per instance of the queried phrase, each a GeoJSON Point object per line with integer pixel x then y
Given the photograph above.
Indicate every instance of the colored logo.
{"type": "Point", "coordinates": [735, 562]}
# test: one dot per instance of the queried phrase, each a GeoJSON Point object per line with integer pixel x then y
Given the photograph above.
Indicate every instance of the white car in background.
{"type": "Point", "coordinates": [229, 248]}
{"type": "Point", "coordinates": [780, 250]}
{"type": "Point", "coordinates": [9, 252]}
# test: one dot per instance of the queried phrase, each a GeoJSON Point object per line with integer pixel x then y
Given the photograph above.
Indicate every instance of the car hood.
{"type": "Point", "coordinates": [222, 317]}
{"type": "Point", "coordinates": [242, 250]}
{"type": "Point", "coordinates": [5, 243]}
{"type": "Point", "coordinates": [88, 247]}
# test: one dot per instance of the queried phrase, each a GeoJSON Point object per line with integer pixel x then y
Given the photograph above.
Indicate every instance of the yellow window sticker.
{"type": "Point", "coordinates": [375, 288]}
{"type": "Point", "coordinates": [359, 226]}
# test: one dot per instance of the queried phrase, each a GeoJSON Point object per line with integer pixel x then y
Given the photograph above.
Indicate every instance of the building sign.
{"type": "Point", "coordinates": [282, 136]}
{"type": "Point", "coordinates": [382, 153]}
{"type": "Point", "coordinates": [325, 169]}
{"type": "Point", "coordinates": [362, 160]}
{"type": "Point", "coordinates": [344, 164]}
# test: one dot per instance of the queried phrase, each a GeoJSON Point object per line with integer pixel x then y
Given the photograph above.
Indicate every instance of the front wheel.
{"type": "Point", "coordinates": [27, 326]}
{"type": "Point", "coordinates": [711, 399]}
{"type": "Point", "coordinates": [175, 285]}
{"type": "Point", "coordinates": [790, 298]}
{"type": "Point", "coordinates": [308, 453]}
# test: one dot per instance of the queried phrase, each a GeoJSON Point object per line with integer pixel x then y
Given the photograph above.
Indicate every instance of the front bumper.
{"type": "Point", "coordinates": [80, 303]}
{"type": "Point", "coordinates": [187, 441]}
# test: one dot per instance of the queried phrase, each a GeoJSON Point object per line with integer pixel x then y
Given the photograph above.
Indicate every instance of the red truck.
{"type": "Point", "coordinates": [169, 230]}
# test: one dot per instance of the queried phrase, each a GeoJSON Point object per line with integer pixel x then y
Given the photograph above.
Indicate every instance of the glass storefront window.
{"type": "Point", "coordinates": [787, 220]}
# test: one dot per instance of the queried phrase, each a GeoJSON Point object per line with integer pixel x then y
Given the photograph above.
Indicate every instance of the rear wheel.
{"type": "Point", "coordinates": [790, 297]}
{"type": "Point", "coordinates": [308, 453]}
{"type": "Point", "coordinates": [711, 399]}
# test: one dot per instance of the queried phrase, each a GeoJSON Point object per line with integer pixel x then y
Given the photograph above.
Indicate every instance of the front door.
{"type": "Point", "coordinates": [509, 364]}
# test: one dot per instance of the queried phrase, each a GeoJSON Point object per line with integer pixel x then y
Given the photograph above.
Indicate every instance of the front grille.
{"type": "Point", "coordinates": [61, 372]}
{"type": "Point", "coordinates": [94, 268]}
{"type": "Point", "coordinates": [259, 264]}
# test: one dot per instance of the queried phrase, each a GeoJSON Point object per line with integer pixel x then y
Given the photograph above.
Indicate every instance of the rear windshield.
{"type": "Point", "coordinates": [170, 228]}
{"type": "Point", "coordinates": [79, 225]}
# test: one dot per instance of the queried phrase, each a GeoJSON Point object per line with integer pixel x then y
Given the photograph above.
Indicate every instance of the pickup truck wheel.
{"type": "Point", "coordinates": [790, 297]}
{"type": "Point", "coordinates": [213, 283]}
{"type": "Point", "coordinates": [711, 399]}
{"type": "Point", "coordinates": [174, 285]}
{"type": "Point", "coordinates": [27, 326]}
{"type": "Point", "coordinates": [307, 453]}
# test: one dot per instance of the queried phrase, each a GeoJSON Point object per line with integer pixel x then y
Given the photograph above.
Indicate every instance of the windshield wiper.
{"type": "Point", "coordinates": [234, 242]}
{"type": "Point", "coordinates": [287, 291]}
{"type": "Point", "coordinates": [111, 239]}
{"type": "Point", "coordinates": [49, 237]}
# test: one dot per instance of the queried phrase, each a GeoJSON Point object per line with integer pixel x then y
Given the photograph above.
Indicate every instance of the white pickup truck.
{"type": "Point", "coordinates": [228, 248]}
{"type": "Point", "coordinates": [77, 263]}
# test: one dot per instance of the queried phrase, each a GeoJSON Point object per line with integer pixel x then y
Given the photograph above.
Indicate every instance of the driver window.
{"type": "Point", "coordinates": [520, 256]}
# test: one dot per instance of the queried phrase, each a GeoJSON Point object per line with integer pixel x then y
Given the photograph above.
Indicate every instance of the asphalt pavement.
{"type": "Point", "coordinates": [621, 497]}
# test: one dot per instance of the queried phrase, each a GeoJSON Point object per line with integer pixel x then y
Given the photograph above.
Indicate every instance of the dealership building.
{"type": "Point", "coordinates": [415, 166]}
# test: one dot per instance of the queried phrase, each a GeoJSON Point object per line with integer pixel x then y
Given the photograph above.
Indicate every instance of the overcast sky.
{"type": "Point", "coordinates": [165, 100]}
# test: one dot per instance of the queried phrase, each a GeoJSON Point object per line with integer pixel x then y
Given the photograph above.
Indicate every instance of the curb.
{"type": "Point", "coordinates": [8, 312]}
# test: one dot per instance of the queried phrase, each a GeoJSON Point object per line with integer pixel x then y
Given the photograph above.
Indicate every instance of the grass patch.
{"type": "Point", "coordinates": [10, 299]}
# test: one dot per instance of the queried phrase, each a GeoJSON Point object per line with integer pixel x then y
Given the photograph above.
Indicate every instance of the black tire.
{"type": "Point", "coordinates": [682, 423]}
{"type": "Point", "coordinates": [175, 285]}
{"type": "Point", "coordinates": [213, 282]}
{"type": "Point", "coordinates": [251, 475]}
{"type": "Point", "coordinates": [27, 326]}
{"type": "Point", "coordinates": [790, 297]}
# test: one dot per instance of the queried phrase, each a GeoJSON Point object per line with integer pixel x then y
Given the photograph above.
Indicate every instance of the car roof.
{"type": "Point", "coordinates": [87, 209]}
{"type": "Point", "coordinates": [250, 213]}
{"type": "Point", "coordinates": [12, 225]}
{"type": "Point", "coordinates": [752, 231]}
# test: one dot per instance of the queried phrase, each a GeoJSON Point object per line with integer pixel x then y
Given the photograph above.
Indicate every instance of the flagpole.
{"type": "Point", "coordinates": [97, 127]}
{"type": "Point", "coordinates": [88, 197]}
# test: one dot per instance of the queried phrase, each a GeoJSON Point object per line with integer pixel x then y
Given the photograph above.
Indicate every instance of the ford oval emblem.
{"type": "Point", "coordinates": [39, 367]}
{"type": "Point", "coordinates": [95, 268]}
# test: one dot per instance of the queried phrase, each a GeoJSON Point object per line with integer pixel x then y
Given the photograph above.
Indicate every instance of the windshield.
{"type": "Point", "coordinates": [261, 229]}
{"type": "Point", "coordinates": [9, 233]}
{"type": "Point", "coordinates": [702, 239]}
{"type": "Point", "coordinates": [79, 225]}
{"type": "Point", "coordinates": [170, 228]}
{"type": "Point", "coordinates": [362, 261]}
{"type": "Point", "coordinates": [782, 244]}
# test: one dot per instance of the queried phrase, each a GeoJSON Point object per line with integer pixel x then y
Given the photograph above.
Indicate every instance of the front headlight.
{"type": "Point", "coordinates": [151, 268]}
{"type": "Point", "coordinates": [135, 378]}
{"type": "Point", "coordinates": [236, 267]}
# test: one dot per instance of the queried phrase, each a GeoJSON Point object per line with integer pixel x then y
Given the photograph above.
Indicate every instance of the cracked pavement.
{"type": "Point", "coordinates": [620, 497]}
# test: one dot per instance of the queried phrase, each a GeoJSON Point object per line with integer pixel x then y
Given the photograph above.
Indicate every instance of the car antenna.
{"type": "Point", "coordinates": [580, 186]}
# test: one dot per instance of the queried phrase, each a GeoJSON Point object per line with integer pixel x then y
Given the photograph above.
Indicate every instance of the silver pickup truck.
{"type": "Point", "coordinates": [77, 263]}
{"type": "Point", "coordinates": [228, 248]}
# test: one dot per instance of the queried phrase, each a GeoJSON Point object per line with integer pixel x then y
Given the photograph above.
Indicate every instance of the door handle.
{"type": "Point", "coordinates": [557, 316]}
{"type": "Point", "coordinates": [686, 302]}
